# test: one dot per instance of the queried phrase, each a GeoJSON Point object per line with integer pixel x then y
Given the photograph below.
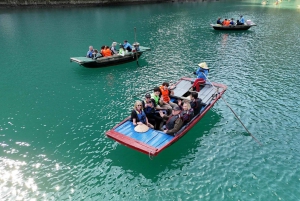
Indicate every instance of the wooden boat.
{"type": "Point", "coordinates": [233, 27]}
{"type": "Point", "coordinates": [109, 61]}
{"type": "Point", "coordinates": [153, 141]}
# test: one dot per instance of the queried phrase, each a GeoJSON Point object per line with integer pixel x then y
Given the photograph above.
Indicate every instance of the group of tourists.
{"type": "Point", "coordinates": [157, 111]}
{"type": "Point", "coordinates": [228, 22]}
{"type": "Point", "coordinates": [107, 51]}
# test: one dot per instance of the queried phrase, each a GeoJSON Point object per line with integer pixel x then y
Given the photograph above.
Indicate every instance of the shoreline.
{"type": "Point", "coordinates": [74, 3]}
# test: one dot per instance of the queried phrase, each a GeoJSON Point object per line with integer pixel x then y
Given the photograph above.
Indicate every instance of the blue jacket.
{"type": "Point", "coordinates": [200, 72]}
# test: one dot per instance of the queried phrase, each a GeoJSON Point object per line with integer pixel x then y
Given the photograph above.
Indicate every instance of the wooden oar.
{"type": "Point", "coordinates": [136, 53]}
{"type": "Point", "coordinates": [234, 113]}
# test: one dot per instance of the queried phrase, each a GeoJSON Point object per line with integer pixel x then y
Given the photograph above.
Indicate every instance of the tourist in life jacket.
{"type": "Point", "coordinates": [165, 100]}
{"type": "Point", "coordinates": [89, 54]}
{"type": "Point", "coordinates": [174, 121]}
{"type": "Point", "coordinates": [187, 112]}
{"type": "Point", "coordinates": [202, 70]}
{"type": "Point", "coordinates": [196, 103]}
{"type": "Point", "coordinates": [149, 109]}
{"type": "Point", "coordinates": [138, 115]}
{"type": "Point", "coordinates": [106, 52]}
{"type": "Point", "coordinates": [121, 51]}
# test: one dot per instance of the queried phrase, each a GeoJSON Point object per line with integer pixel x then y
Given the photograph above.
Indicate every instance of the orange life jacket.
{"type": "Point", "coordinates": [227, 23]}
{"type": "Point", "coordinates": [165, 94]}
{"type": "Point", "coordinates": [106, 53]}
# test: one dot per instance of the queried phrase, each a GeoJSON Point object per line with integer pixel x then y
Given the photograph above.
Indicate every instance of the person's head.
{"type": "Point", "coordinates": [219, 18]}
{"type": "Point", "coordinates": [231, 19]}
{"type": "Point", "coordinates": [148, 98]}
{"type": "Point", "coordinates": [186, 106]}
{"type": "Point", "coordinates": [241, 16]}
{"type": "Point", "coordinates": [91, 48]}
{"type": "Point", "coordinates": [103, 47]}
{"type": "Point", "coordinates": [176, 110]}
{"type": "Point", "coordinates": [122, 46]}
{"type": "Point", "coordinates": [125, 41]}
{"type": "Point", "coordinates": [138, 105]}
{"type": "Point", "coordinates": [165, 85]}
{"type": "Point", "coordinates": [114, 44]}
{"type": "Point", "coordinates": [194, 95]}
{"type": "Point", "coordinates": [106, 47]}
{"type": "Point", "coordinates": [156, 91]}
{"type": "Point", "coordinates": [95, 50]}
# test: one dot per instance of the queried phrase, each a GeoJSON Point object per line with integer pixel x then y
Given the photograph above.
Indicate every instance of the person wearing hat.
{"type": "Point", "coordinates": [127, 46]}
{"type": "Point", "coordinates": [149, 109]}
{"type": "Point", "coordinates": [202, 71]}
{"type": "Point", "coordinates": [219, 21]}
{"type": "Point", "coordinates": [174, 121]}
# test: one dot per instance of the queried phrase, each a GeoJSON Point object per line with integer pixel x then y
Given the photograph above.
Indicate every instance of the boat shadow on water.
{"type": "Point", "coordinates": [180, 154]}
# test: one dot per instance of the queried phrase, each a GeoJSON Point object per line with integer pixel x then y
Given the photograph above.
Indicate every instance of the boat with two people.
{"type": "Point", "coordinates": [151, 141]}
{"type": "Point", "coordinates": [116, 57]}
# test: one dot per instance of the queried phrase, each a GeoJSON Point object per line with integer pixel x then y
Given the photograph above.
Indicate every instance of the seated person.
{"type": "Point", "coordinates": [106, 52]}
{"type": "Point", "coordinates": [196, 103]}
{"type": "Point", "coordinates": [187, 112]}
{"type": "Point", "coordinates": [165, 100]}
{"type": "Point", "coordinates": [174, 121]}
{"type": "Point", "coordinates": [113, 48]}
{"type": "Point", "coordinates": [121, 50]}
{"type": "Point", "coordinates": [226, 22]}
{"type": "Point", "coordinates": [138, 116]}
{"type": "Point", "coordinates": [149, 109]}
{"type": "Point", "coordinates": [96, 54]}
{"type": "Point", "coordinates": [89, 54]}
{"type": "Point", "coordinates": [241, 21]}
{"type": "Point", "coordinates": [136, 47]}
{"type": "Point", "coordinates": [127, 46]}
{"type": "Point", "coordinates": [232, 22]}
{"type": "Point", "coordinates": [219, 21]}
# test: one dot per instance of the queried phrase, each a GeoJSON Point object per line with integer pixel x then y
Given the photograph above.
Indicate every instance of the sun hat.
{"type": "Point", "coordinates": [141, 128]}
{"type": "Point", "coordinates": [203, 65]}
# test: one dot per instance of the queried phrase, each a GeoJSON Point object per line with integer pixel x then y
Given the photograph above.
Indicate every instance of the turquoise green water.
{"type": "Point", "coordinates": [54, 114]}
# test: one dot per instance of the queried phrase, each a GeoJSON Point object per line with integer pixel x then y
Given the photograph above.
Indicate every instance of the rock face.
{"type": "Point", "coordinates": [63, 3]}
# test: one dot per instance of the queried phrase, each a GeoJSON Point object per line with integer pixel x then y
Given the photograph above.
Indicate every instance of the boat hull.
{"type": "Point", "coordinates": [109, 61]}
{"type": "Point", "coordinates": [153, 142]}
{"type": "Point", "coordinates": [232, 28]}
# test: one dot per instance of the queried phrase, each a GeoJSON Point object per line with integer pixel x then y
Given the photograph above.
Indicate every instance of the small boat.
{"type": "Point", "coordinates": [246, 26]}
{"type": "Point", "coordinates": [152, 142]}
{"type": "Point", "coordinates": [109, 61]}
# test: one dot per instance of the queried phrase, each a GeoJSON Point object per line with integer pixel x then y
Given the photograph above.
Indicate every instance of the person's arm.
{"type": "Point", "coordinates": [134, 117]}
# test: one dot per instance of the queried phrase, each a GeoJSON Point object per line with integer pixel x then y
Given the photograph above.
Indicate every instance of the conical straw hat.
{"type": "Point", "coordinates": [141, 128]}
{"type": "Point", "coordinates": [203, 65]}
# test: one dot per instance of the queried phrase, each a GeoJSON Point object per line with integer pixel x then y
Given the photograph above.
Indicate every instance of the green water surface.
{"type": "Point", "coordinates": [54, 114]}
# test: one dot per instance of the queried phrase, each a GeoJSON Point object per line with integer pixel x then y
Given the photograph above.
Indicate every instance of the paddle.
{"type": "Point", "coordinates": [234, 113]}
{"type": "Point", "coordinates": [136, 53]}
